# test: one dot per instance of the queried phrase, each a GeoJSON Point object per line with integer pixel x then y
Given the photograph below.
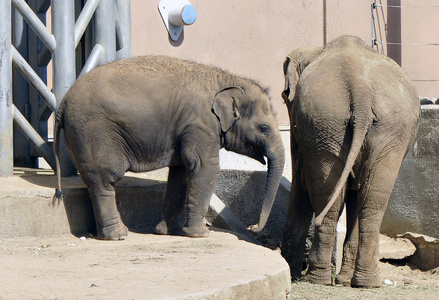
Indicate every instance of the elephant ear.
{"type": "Point", "coordinates": [294, 65]}
{"type": "Point", "coordinates": [225, 107]}
{"type": "Point", "coordinates": [291, 78]}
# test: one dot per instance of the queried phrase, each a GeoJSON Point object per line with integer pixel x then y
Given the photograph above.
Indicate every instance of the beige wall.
{"type": "Point", "coordinates": [252, 37]}
{"type": "Point", "coordinates": [417, 32]}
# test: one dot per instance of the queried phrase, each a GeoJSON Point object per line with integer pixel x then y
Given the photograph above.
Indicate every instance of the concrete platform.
{"type": "Point", "coordinates": [43, 253]}
{"type": "Point", "coordinates": [144, 266]}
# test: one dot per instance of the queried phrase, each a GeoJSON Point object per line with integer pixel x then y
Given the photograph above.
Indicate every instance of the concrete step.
{"type": "Point", "coordinates": [27, 207]}
{"type": "Point", "coordinates": [42, 254]}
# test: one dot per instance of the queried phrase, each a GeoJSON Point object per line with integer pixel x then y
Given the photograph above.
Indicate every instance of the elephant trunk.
{"type": "Point", "coordinates": [276, 159]}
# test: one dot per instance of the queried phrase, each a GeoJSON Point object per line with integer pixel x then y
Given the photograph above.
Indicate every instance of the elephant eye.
{"type": "Point", "coordinates": [264, 129]}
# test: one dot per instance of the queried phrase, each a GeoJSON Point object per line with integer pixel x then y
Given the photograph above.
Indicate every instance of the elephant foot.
{"type": "Point", "coordinates": [113, 232]}
{"type": "Point", "coordinates": [344, 277]}
{"type": "Point", "coordinates": [345, 281]}
{"type": "Point", "coordinates": [321, 277]}
{"type": "Point", "coordinates": [195, 231]}
{"type": "Point", "coordinates": [361, 281]}
{"type": "Point", "coordinates": [168, 227]}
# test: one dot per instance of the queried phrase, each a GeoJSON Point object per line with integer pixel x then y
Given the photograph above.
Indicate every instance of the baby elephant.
{"type": "Point", "coordinates": [354, 115]}
{"type": "Point", "coordinates": [145, 113]}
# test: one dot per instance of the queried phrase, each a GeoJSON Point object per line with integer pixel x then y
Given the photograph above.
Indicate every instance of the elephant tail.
{"type": "Point", "coordinates": [361, 119]}
{"type": "Point", "coordinates": [59, 123]}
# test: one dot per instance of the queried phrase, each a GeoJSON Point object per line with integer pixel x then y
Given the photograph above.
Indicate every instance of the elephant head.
{"type": "Point", "coordinates": [294, 65]}
{"type": "Point", "coordinates": [249, 127]}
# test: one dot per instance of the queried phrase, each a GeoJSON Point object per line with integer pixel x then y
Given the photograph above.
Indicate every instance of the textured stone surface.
{"type": "Point", "coordinates": [414, 204]}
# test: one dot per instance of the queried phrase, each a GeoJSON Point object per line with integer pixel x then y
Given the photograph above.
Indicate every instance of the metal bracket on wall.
{"type": "Point", "coordinates": [176, 14]}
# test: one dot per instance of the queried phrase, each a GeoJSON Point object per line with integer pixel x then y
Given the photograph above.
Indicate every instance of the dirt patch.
{"type": "Point", "coordinates": [400, 281]}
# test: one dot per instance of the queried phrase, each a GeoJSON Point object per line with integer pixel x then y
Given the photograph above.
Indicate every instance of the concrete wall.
{"type": "Point", "coordinates": [410, 30]}
{"type": "Point", "coordinates": [414, 204]}
{"type": "Point", "coordinates": [252, 37]}
{"type": "Point", "coordinates": [249, 37]}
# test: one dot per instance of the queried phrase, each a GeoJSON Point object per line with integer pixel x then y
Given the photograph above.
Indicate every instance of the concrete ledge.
{"type": "Point", "coordinates": [27, 207]}
{"type": "Point", "coordinates": [144, 266]}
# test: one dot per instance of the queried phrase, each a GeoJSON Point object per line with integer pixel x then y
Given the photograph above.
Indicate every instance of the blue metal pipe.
{"type": "Point", "coordinates": [64, 74]}
{"type": "Point", "coordinates": [93, 60]}
{"type": "Point", "coordinates": [35, 23]}
{"type": "Point", "coordinates": [84, 18]}
{"type": "Point", "coordinates": [34, 80]}
{"type": "Point", "coordinates": [105, 26]}
{"type": "Point", "coordinates": [123, 32]}
{"type": "Point", "coordinates": [63, 21]}
{"type": "Point", "coordinates": [34, 138]}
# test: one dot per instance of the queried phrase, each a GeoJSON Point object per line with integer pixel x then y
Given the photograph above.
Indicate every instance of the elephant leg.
{"type": "Point", "coordinates": [203, 173]}
{"type": "Point", "coordinates": [373, 199]}
{"type": "Point", "coordinates": [296, 229]}
{"type": "Point", "coordinates": [173, 201]}
{"type": "Point", "coordinates": [350, 247]}
{"type": "Point", "coordinates": [319, 270]}
{"type": "Point", "coordinates": [103, 196]}
{"type": "Point", "coordinates": [199, 193]}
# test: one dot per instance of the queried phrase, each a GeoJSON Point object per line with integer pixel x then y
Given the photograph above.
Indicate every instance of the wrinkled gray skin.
{"type": "Point", "coordinates": [354, 115]}
{"type": "Point", "coordinates": [150, 112]}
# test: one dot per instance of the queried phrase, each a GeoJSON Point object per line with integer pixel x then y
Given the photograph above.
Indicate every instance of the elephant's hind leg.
{"type": "Point", "coordinates": [372, 204]}
{"type": "Point", "coordinates": [350, 246]}
{"type": "Point", "coordinates": [103, 196]}
{"type": "Point", "coordinates": [173, 201]}
{"type": "Point", "coordinates": [320, 269]}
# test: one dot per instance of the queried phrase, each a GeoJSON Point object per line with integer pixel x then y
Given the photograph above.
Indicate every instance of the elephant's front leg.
{"type": "Point", "coordinates": [296, 229]}
{"type": "Point", "coordinates": [203, 173]}
{"type": "Point", "coordinates": [173, 201]}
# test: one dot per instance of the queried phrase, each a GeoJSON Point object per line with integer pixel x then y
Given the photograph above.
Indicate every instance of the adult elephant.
{"type": "Point", "coordinates": [150, 112]}
{"type": "Point", "coordinates": [354, 115]}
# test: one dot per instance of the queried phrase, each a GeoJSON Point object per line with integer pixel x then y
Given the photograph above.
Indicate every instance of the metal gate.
{"type": "Point", "coordinates": [85, 34]}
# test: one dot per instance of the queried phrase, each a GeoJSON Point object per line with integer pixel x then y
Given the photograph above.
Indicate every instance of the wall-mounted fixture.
{"type": "Point", "coordinates": [176, 14]}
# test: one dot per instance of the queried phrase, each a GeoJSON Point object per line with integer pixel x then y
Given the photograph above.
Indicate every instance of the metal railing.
{"type": "Point", "coordinates": [110, 39]}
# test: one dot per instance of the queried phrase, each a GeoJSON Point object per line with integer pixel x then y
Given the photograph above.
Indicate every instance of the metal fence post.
{"type": "Point", "coordinates": [105, 28]}
{"type": "Point", "coordinates": [22, 148]}
{"type": "Point", "coordinates": [6, 135]}
{"type": "Point", "coordinates": [124, 25]}
{"type": "Point", "coordinates": [64, 75]}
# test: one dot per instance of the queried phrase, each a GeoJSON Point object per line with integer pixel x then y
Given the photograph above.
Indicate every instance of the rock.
{"type": "Point", "coordinates": [389, 282]}
{"type": "Point", "coordinates": [407, 281]}
{"type": "Point", "coordinates": [426, 256]}
{"type": "Point", "coordinates": [426, 101]}
{"type": "Point", "coordinates": [395, 248]}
